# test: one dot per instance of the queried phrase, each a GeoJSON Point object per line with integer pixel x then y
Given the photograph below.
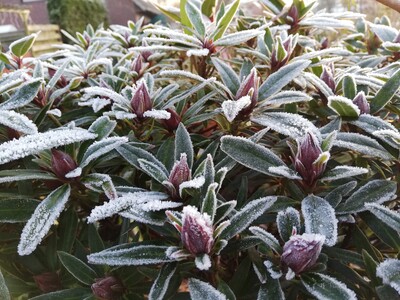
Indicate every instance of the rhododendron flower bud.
{"type": "Point", "coordinates": [137, 64]}
{"type": "Point", "coordinates": [173, 122]}
{"type": "Point", "coordinates": [108, 288]}
{"type": "Point", "coordinates": [327, 77]}
{"type": "Point", "coordinates": [293, 15]}
{"type": "Point", "coordinates": [361, 101]}
{"type": "Point", "coordinates": [310, 162]}
{"type": "Point", "coordinates": [141, 101]}
{"type": "Point", "coordinates": [197, 231]}
{"type": "Point", "coordinates": [180, 172]}
{"type": "Point", "coordinates": [48, 282]}
{"type": "Point", "coordinates": [62, 163]}
{"type": "Point", "coordinates": [249, 87]}
{"type": "Point", "coordinates": [301, 252]}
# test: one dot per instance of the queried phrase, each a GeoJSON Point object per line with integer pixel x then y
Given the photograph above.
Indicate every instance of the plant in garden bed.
{"type": "Point", "coordinates": [229, 157]}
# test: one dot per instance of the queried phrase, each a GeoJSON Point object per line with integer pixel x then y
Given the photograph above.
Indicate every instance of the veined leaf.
{"type": "Point", "coordinates": [77, 268]}
{"type": "Point", "coordinates": [20, 47]}
{"type": "Point", "coordinates": [17, 121]}
{"type": "Point", "coordinates": [389, 217]}
{"type": "Point", "coordinates": [238, 37]}
{"type": "Point", "coordinates": [200, 290]}
{"type": "Point", "coordinates": [195, 18]}
{"type": "Point", "coordinates": [271, 290]}
{"type": "Point", "coordinates": [44, 216]}
{"type": "Point", "coordinates": [209, 204]}
{"type": "Point", "coordinates": [286, 220]}
{"type": "Point", "coordinates": [343, 107]}
{"type": "Point", "coordinates": [183, 144]}
{"type": "Point", "coordinates": [160, 285]}
{"type": "Point", "coordinates": [152, 170]}
{"type": "Point", "coordinates": [24, 174]}
{"type": "Point", "coordinates": [349, 86]}
{"type": "Point", "coordinates": [100, 183]}
{"type": "Point", "coordinates": [336, 195]}
{"type": "Point", "coordinates": [24, 95]}
{"type": "Point", "coordinates": [267, 238]}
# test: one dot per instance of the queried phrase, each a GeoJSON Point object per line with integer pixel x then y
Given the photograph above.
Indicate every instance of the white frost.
{"type": "Point", "coordinates": [231, 108]}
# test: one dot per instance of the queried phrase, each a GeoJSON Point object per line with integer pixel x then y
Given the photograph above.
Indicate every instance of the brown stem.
{"type": "Point", "coordinates": [393, 4]}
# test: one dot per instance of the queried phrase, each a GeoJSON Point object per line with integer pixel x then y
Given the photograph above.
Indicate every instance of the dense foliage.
{"type": "Point", "coordinates": [234, 157]}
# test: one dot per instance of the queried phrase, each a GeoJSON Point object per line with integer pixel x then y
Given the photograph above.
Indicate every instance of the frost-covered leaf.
{"type": "Point", "coordinates": [225, 19]}
{"type": "Point", "coordinates": [200, 290]}
{"type": "Point", "coordinates": [195, 17]}
{"type": "Point", "coordinates": [286, 97]}
{"type": "Point", "coordinates": [340, 172]}
{"type": "Point", "coordinates": [55, 112]}
{"type": "Point", "coordinates": [343, 107]}
{"type": "Point", "coordinates": [17, 210]}
{"type": "Point", "coordinates": [183, 144]}
{"type": "Point", "coordinates": [197, 52]}
{"type": "Point", "coordinates": [292, 125]}
{"type": "Point", "coordinates": [228, 76]}
{"type": "Point", "coordinates": [238, 37]}
{"type": "Point", "coordinates": [284, 171]}
{"type": "Point", "coordinates": [319, 218]}
{"type": "Point", "coordinates": [152, 170]}
{"type": "Point", "coordinates": [231, 108]}
{"type": "Point", "coordinates": [319, 84]}
{"type": "Point", "coordinates": [375, 191]}
{"type": "Point", "coordinates": [4, 293]}
{"type": "Point", "coordinates": [362, 144]}
{"type": "Point", "coordinates": [250, 154]}
{"type": "Point", "coordinates": [386, 215]}
{"type": "Point", "coordinates": [103, 127]}
{"type": "Point", "coordinates": [157, 114]}
{"type": "Point", "coordinates": [386, 93]}
{"type": "Point", "coordinates": [100, 148]}
{"type": "Point", "coordinates": [243, 218]}
{"type": "Point", "coordinates": [384, 32]}
{"type": "Point", "coordinates": [392, 137]}
{"type": "Point", "coordinates": [271, 290]}
{"type": "Point", "coordinates": [44, 216]}
{"type": "Point", "coordinates": [33, 144]}
{"type": "Point", "coordinates": [195, 183]}
{"type": "Point", "coordinates": [74, 173]}
{"type": "Point", "coordinates": [17, 121]}
{"type": "Point", "coordinates": [131, 255]}
{"type": "Point", "coordinates": [160, 285]}
{"type": "Point", "coordinates": [276, 81]}
{"type": "Point", "coordinates": [286, 220]}
{"type": "Point", "coordinates": [336, 195]}
{"type": "Point", "coordinates": [267, 238]}
{"type": "Point", "coordinates": [389, 271]}
{"type": "Point", "coordinates": [203, 262]}
{"type": "Point", "coordinates": [325, 287]}
{"type": "Point", "coordinates": [24, 174]}
{"type": "Point", "coordinates": [77, 268]}
{"type": "Point", "coordinates": [21, 46]}
{"type": "Point", "coordinates": [99, 183]}
{"type": "Point", "coordinates": [209, 204]}
{"type": "Point", "coordinates": [24, 95]}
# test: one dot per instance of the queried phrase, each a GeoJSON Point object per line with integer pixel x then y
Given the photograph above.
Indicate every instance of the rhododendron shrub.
{"type": "Point", "coordinates": [224, 156]}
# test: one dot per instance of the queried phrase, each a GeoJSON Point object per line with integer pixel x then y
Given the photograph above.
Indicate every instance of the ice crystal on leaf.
{"type": "Point", "coordinates": [17, 121]}
{"type": "Point", "coordinates": [231, 108]}
{"type": "Point", "coordinates": [389, 272]}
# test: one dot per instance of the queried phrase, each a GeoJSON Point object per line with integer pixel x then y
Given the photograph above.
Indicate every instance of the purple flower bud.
{"type": "Point", "coordinates": [249, 86]}
{"type": "Point", "coordinates": [361, 101]}
{"type": "Point", "coordinates": [62, 163]}
{"type": "Point", "coordinates": [310, 161]}
{"type": "Point", "coordinates": [301, 251]}
{"type": "Point", "coordinates": [293, 15]}
{"type": "Point", "coordinates": [137, 64]}
{"type": "Point", "coordinates": [141, 101]}
{"type": "Point", "coordinates": [173, 122]}
{"type": "Point", "coordinates": [197, 231]}
{"type": "Point", "coordinates": [327, 77]}
{"type": "Point", "coordinates": [324, 43]}
{"type": "Point", "coordinates": [180, 172]}
{"type": "Point", "coordinates": [48, 282]}
{"type": "Point", "coordinates": [108, 288]}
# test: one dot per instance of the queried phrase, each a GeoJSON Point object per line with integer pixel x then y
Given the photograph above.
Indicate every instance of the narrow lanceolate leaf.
{"type": "Point", "coordinates": [131, 255]}
{"type": "Point", "coordinates": [343, 107]}
{"type": "Point", "coordinates": [20, 47]}
{"type": "Point", "coordinates": [17, 210]}
{"type": "Point", "coordinates": [200, 290]}
{"type": "Point", "coordinates": [209, 205]}
{"type": "Point", "coordinates": [228, 76]}
{"type": "Point", "coordinates": [160, 285]}
{"type": "Point", "coordinates": [340, 172]}
{"type": "Point", "coordinates": [286, 221]}
{"type": "Point", "coordinates": [250, 154]}
{"type": "Point", "coordinates": [349, 86]}
{"type": "Point", "coordinates": [103, 127]}
{"type": "Point", "coordinates": [286, 97]}
{"type": "Point", "coordinates": [389, 272]}
{"type": "Point", "coordinates": [362, 144]}
{"type": "Point", "coordinates": [183, 144]}
{"type": "Point", "coordinates": [267, 238]}
{"type": "Point", "coordinates": [4, 293]}
{"type": "Point", "coordinates": [33, 144]}
{"type": "Point", "coordinates": [42, 219]}
{"type": "Point", "coordinates": [276, 81]}
{"type": "Point", "coordinates": [100, 148]}
{"type": "Point", "coordinates": [335, 196]}
{"type": "Point", "coordinates": [17, 121]}
{"type": "Point", "coordinates": [389, 217]}
{"type": "Point", "coordinates": [375, 191]}
{"type": "Point", "coordinates": [77, 268]}
{"type": "Point", "coordinates": [386, 93]}
{"type": "Point", "coordinates": [319, 218]}
{"type": "Point", "coordinates": [292, 125]}
{"type": "Point", "coordinates": [271, 290]}
{"type": "Point", "coordinates": [24, 174]}
{"type": "Point", "coordinates": [70, 294]}
{"type": "Point", "coordinates": [225, 20]}
{"type": "Point", "coordinates": [246, 216]}
{"type": "Point", "coordinates": [24, 95]}
{"type": "Point", "coordinates": [100, 183]}
{"type": "Point", "coordinates": [325, 287]}
{"type": "Point", "coordinates": [194, 15]}
{"type": "Point", "coordinates": [152, 170]}
{"type": "Point", "coordinates": [238, 37]}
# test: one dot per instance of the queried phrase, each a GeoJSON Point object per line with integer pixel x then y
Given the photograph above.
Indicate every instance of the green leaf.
{"type": "Point", "coordinates": [228, 76]}
{"type": "Point", "coordinates": [225, 20]}
{"type": "Point", "coordinates": [271, 290]}
{"type": "Point", "coordinates": [286, 220]}
{"type": "Point", "coordinates": [44, 216]}
{"type": "Point", "coordinates": [250, 154]}
{"type": "Point", "coordinates": [242, 219]}
{"type": "Point", "coordinates": [319, 218]}
{"type": "Point", "coordinates": [185, 21]}
{"type": "Point", "coordinates": [390, 217]}
{"type": "Point", "coordinates": [349, 86]}
{"type": "Point", "coordinates": [224, 288]}
{"type": "Point", "coordinates": [341, 172]}
{"type": "Point", "coordinates": [95, 242]}
{"type": "Point", "coordinates": [267, 238]}
{"type": "Point", "coordinates": [375, 191]}
{"type": "Point", "coordinates": [207, 7]}
{"type": "Point", "coordinates": [370, 267]}
{"type": "Point", "coordinates": [20, 47]}
{"type": "Point", "coordinates": [77, 268]}
{"type": "Point", "coordinates": [183, 144]}
{"type": "Point", "coordinates": [70, 294]}
{"type": "Point", "coordinates": [18, 122]}
{"type": "Point", "coordinates": [389, 271]}
{"type": "Point", "coordinates": [276, 81]}
{"type": "Point", "coordinates": [24, 95]}
{"type": "Point", "coordinates": [24, 174]}
{"type": "Point", "coordinates": [343, 107]}
{"type": "Point", "coordinates": [152, 170]}
{"type": "Point", "coordinates": [209, 204]}
{"type": "Point", "coordinates": [325, 287]}
{"type": "Point", "coordinates": [161, 284]}
{"type": "Point", "coordinates": [17, 210]}
{"type": "Point", "coordinates": [200, 290]}
{"type": "Point", "coordinates": [103, 127]}
{"type": "Point", "coordinates": [385, 292]}
{"type": "Point", "coordinates": [194, 15]}
{"type": "Point", "coordinates": [386, 93]}
{"type": "Point", "coordinates": [335, 196]}
{"type": "Point", "coordinates": [4, 293]}
{"type": "Point", "coordinates": [67, 230]}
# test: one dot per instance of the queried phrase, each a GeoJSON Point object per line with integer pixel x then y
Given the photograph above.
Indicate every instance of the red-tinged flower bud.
{"type": "Point", "coordinates": [137, 64]}
{"type": "Point", "coordinates": [301, 252]}
{"type": "Point", "coordinates": [173, 122]}
{"type": "Point", "coordinates": [108, 288]}
{"type": "Point", "coordinates": [324, 43]}
{"type": "Point", "coordinates": [141, 101]}
{"type": "Point", "coordinates": [197, 231]}
{"type": "Point", "coordinates": [310, 161]}
{"type": "Point", "coordinates": [293, 15]}
{"type": "Point", "coordinates": [62, 163]}
{"type": "Point", "coordinates": [249, 85]}
{"type": "Point", "coordinates": [361, 101]}
{"type": "Point", "coordinates": [327, 77]}
{"type": "Point", "coordinates": [48, 282]}
{"type": "Point", "coordinates": [180, 172]}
